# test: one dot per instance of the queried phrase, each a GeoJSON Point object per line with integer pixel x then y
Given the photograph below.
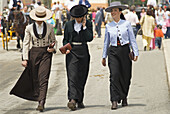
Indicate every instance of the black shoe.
{"type": "Point", "coordinates": [72, 105]}
{"type": "Point", "coordinates": [80, 105]}
{"type": "Point", "coordinates": [124, 102]}
{"type": "Point", "coordinates": [114, 105]}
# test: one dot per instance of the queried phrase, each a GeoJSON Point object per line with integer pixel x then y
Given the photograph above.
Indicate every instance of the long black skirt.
{"type": "Point", "coordinates": [77, 65]}
{"type": "Point", "coordinates": [120, 71]}
{"type": "Point", "coordinates": [33, 82]}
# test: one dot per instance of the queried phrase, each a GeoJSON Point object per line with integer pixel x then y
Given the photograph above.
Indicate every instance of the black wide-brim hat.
{"type": "Point", "coordinates": [115, 4]}
{"type": "Point", "coordinates": [78, 11]}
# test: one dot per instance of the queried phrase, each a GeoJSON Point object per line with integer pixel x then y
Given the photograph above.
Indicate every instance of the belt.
{"type": "Point", "coordinates": [133, 25]}
{"type": "Point", "coordinates": [77, 43]}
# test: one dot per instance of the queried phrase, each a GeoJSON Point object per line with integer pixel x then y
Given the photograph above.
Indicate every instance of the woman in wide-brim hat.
{"type": "Point", "coordinates": [119, 37]}
{"type": "Point", "coordinates": [77, 32]}
{"type": "Point", "coordinates": [33, 83]}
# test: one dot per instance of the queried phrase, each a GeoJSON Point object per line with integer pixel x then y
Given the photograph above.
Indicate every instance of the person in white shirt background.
{"type": "Point", "coordinates": [34, 4]}
{"type": "Point", "coordinates": [58, 14]}
{"type": "Point", "coordinates": [133, 19]}
{"type": "Point", "coordinates": [69, 4]}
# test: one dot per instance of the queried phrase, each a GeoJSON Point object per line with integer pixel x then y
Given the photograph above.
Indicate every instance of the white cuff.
{"type": "Point", "coordinates": [84, 27]}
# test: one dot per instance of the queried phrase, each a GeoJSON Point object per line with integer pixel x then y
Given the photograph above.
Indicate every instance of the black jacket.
{"type": "Point", "coordinates": [70, 35]}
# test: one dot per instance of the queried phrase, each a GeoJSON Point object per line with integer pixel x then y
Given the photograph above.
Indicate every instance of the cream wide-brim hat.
{"type": "Point", "coordinates": [40, 13]}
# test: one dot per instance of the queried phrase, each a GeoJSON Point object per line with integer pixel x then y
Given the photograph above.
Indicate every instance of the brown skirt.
{"type": "Point", "coordinates": [33, 82]}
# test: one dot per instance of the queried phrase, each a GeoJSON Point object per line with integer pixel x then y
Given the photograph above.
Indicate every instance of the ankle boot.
{"type": "Point", "coordinates": [124, 102]}
{"type": "Point", "coordinates": [114, 105]}
{"type": "Point", "coordinates": [72, 105]}
{"type": "Point", "coordinates": [41, 106]}
{"type": "Point", "coordinates": [80, 105]}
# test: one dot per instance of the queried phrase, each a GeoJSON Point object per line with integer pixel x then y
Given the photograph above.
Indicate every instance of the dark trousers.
{"type": "Point", "coordinates": [98, 30]}
{"type": "Point", "coordinates": [120, 72]}
{"type": "Point", "coordinates": [167, 33]}
{"type": "Point", "coordinates": [134, 30]}
{"type": "Point", "coordinates": [58, 26]}
{"type": "Point", "coordinates": [158, 42]}
{"type": "Point", "coordinates": [77, 65]}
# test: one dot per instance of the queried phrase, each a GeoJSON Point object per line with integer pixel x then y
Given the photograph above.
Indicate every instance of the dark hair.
{"type": "Point", "coordinates": [159, 26]}
{"type": "Point", "coordinates": [122, 16]}
{"type": "Point", "coordinates": [142, 9]}
{"type": "Point", "coordinates": [149, 12]}
{"type": "Point", "coordinates": [120, 9]}
{"type": "Point", "coordinates": [98, 8]}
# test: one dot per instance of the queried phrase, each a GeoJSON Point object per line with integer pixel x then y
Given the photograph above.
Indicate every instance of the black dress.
{"type": "Point", "coordinates": [77, 61]}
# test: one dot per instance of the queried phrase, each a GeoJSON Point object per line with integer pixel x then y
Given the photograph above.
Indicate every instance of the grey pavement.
{"type": "Point", "coordinates": [149, 92]}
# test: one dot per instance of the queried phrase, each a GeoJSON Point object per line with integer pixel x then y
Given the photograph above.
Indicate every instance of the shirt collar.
{"type": "Point", "coordinates": [117, 22]}
{"type": "Point", "coordinates": [39, 25]}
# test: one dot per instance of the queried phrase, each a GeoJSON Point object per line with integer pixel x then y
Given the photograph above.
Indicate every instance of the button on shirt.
{"type": "Point", "coordinates": [122, 30]}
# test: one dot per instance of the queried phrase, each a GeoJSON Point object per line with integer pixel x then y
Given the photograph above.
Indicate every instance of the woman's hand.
{"type": "Point", "coordinates": [104, 62]}
{"type": "Point", "coordinates": [50, 50]}
{"type": "Point", "coordinates": [24, 63]}
{"type": "Point", "coordinates": [135, 58]}
{"type": "Point", "coordinates": [67, 52]}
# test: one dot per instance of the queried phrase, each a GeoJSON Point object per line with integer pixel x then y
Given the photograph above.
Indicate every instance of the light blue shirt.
{"type": "Point", "coordinates": [126, 36]}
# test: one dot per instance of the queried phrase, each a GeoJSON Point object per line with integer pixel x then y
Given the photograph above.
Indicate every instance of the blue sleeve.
{"type": "Point", "coordinates": [106, 43]}
{"type": "Point", "coordinates": [132, 40]}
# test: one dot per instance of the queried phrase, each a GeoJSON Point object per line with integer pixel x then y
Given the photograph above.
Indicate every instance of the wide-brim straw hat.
{"type": "Point", "coordinates": [115, 5]}
{"type": "Point", "coordinates": [78, 11]}
{"type": "Point", "coordinates": [40, 13]}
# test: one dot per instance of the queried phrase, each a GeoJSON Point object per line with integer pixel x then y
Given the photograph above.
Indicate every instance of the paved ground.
{"type": "Point", "coordinates": [148, 92]}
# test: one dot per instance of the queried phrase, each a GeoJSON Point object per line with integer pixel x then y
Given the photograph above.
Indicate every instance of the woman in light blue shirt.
{"type": "Point", "coordinates": [119, 37]}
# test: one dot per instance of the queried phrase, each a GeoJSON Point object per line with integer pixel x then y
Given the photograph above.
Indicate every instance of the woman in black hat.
{"type": "Point", "coordinates": [77, 32]}
{"type": "Point", "coordinates": [119, 37]}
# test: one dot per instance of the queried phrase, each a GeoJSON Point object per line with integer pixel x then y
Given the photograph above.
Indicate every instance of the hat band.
{"type": "Point", "coordinates": [40, 16]}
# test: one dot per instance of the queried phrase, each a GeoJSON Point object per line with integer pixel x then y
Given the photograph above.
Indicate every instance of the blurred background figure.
{"type": "Point", "coordinates": [143, 12]}
{"type": "Point", "coordinates": [54, 6]}
{"type": "Point", "coordinates": [85, 2]}
{"type": "Point", "coordinates": [34, 4]}
{"type": "Point", "coordinates": [160, 15]}
{"type": "Point", "coordinates": [167, 17]}
{"type": "Point", "coordinates": [151, 3]}
{"type": "Point", "coordinates": [108, 18]}
{"type": "Point", "coordinates": [98, 22]}
{"type": "Point", "coordinates": [51, 21]}
{"type": "Point", "coordinates": [69, 4]}
{"type": "Point", "coordinates": [58, 15]}
{"type": "Point", "coordinates": [159, 35]}
{"type": "Point", "coordinates": [147, 23]}
{"type": "Point", "coordinates": [133, 19]}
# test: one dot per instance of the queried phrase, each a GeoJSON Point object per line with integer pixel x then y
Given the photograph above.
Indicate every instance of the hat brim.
{"type": "Point", "coordinates": [34, 17]}
{"type": "Point", "coordinates": [85, 11]}
{"type": "Point", "coordinates": [109, 9]}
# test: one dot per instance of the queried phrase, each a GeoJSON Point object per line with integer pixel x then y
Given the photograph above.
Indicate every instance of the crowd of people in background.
{"type": "Point", "coordinates": [61, 14]}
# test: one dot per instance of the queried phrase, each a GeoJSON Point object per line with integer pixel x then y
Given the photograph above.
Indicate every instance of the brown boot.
{"type": "Point", "coordinates": [124, 102]}
{"type": "Point", "coordinates": [72, 105]}
{"type": "Point", "coordinates": [41, 106]}
{"type": "Point", "coordinates": [114, 105]}
{"type": "Point", "coordinates": [80, 105]}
